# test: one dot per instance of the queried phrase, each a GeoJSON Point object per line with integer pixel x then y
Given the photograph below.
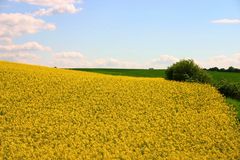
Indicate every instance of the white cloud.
{"type": "Point", "coordinates": [163, 61]}
{"type": "Point", "coordinates": [114, 63]}
{"type": "Point", "coordinates": [28, 58]}
{"type": "Point", "coordinates": [222, 61]}
{"type": "Point", "coordinates": [68, 8]}
{"type": "Point", "coordinates": [29, 52]}
{"type": "Point", "coordinates": [26, 47]}
{"type": "Point", "coordinates": [69, 55]}
{"type": "Point", "coordinates": [5, 41]}
{"type": "Point", "coordinates": [237, 57]}
{"type": "Point", "coordinates": [16, 24]}
{"type": "Point", "coordinates": [78, 60]}
{"type": "Point", "coordinates": [49, 3]}
{"type": "Point", "coordinates": [226, 21]}
{"type": "Point", "coordinates": [54, 6]}
{"type": "Point", "coordinates": [13, 25]}
{"type": "Point", "coordinates": [17, 55]}
{"type": "Point", "coordinates": [69, 60]}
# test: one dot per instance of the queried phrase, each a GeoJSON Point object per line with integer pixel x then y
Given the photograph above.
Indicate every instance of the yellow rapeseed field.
{"type": "Point", "coordinates": [48, 113]}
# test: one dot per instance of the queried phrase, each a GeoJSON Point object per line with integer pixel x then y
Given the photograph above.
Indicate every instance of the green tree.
{"type": "Point", "coordinates": [187, 70]}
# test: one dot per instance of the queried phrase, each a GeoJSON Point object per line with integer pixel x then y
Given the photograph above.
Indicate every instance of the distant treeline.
{"type": "Point", "coordinates": [230, 69]}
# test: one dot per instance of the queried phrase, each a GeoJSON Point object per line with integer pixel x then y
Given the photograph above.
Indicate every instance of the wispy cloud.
{"type": "Point", "coordinates": [26, 47]}
{"type": "Point", "coordinates": [21, 57]}
{"type": "Point", "coordinates": [16, 24]}
{"type": "Point", "coordinates": [68, 8]}
{"type": "Point", "coordinates": [114, 63]}
{"type": "Point", "coordinates": [226, 21]}
{"type": "Point", "coordinates": [69, 60]}
{"type": "Point", "coordinates": [52, 7]}
{"type": "Point", "coordinates": [163, 61]}
{"type": "Point", "coordinates": [78, 60]}
{"type": "Point", "coordinates": [49, 3]}
{"type": "Point", "coordinates": [222, 61]}
{"type": "Point", "coordinates": [13, 25]}
{"type": "Point", "coordinates": [69, 55]}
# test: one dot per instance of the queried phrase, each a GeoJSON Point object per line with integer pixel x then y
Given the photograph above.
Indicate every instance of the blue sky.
{"type": "Point", "coordinates": [123, 34]}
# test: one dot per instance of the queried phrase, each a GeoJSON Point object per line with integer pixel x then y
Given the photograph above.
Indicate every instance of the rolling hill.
{"type": "Point", "coordinates": [48, 113]}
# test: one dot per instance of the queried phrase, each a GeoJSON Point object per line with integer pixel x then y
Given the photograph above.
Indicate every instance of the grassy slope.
{"type": "Point", "coordinates": [127, 72]}
{"type": "Point", "coordinates": [231, 77]}
{"type": "Point", "coordinates": [217, 76]}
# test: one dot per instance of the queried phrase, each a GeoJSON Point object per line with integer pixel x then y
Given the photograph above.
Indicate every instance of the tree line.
{"type": "Point", "coordinates": [230, 69]}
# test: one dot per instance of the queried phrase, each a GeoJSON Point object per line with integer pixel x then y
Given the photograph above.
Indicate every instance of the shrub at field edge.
{"type": "Point", "coordinates": [187, 70]}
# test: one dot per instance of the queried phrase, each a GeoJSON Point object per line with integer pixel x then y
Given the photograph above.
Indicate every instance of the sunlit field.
{"type": "Point", "coordinates": [49, 113]}
{"type": "Point", "coordinates": [157, 73]}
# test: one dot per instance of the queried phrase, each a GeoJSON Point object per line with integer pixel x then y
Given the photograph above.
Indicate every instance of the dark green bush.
{"type": "Point", "coordinates": [229, 89]}
{"type": "Point", "coordinates": [187, 70]}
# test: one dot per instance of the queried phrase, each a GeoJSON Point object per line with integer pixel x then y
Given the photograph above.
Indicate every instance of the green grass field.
{"type": "Point", "coordinates": [216, 76]}
{"type": "Point", "coordinates": [228, 76]}
{"type": "Point", "coordinates": [236, 104]}
{"type": "Point", "coordinates": [127, 72]}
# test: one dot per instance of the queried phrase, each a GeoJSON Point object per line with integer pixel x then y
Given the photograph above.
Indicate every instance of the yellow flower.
{"type": "Point", "coordinates": [58, 114]}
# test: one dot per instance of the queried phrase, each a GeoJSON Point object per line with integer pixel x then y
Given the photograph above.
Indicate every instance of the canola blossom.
{"type": "Point", "coordinates": [48, 113]}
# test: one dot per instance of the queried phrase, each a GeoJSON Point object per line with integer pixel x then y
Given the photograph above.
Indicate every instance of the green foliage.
{"type": "Point", "coordinates": [230, 69]}
{"type": "Point", "coordinates": [214, 69]}
{"type": "Point", "coordinates": [229, 89]}
{"type": "Point", "coordinates": [187, 70]}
